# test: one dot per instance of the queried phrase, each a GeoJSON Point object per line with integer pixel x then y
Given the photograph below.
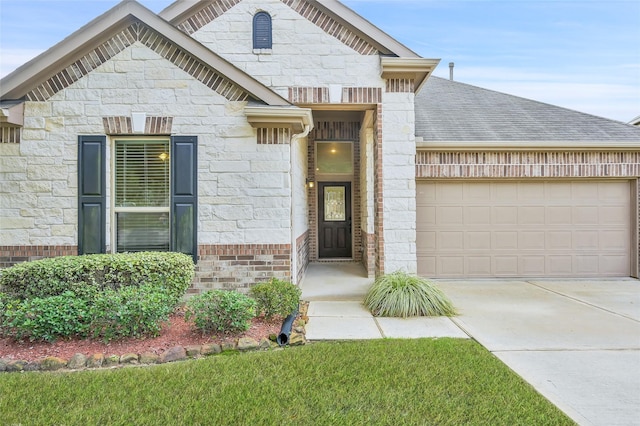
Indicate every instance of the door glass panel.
{"type": "Point", "coordinates": [334, 204]}
{"type": "Point", "coordinates": [334, 157]}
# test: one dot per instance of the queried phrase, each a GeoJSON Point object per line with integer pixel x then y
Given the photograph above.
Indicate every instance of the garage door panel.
{"type": "Point", "coordinates": [585, 215]}
{"type": "Point", "coordinates": [477, 240]}
{"type": "Point", "coordinates": [478, 265]}
{"type": "Point", "coordinates": [450, 240]}
{"type": "Point", "coordinates": [477, 215]}
{"type": "Point", "coordinates": [559, 240]}
{"type": "Point", "coordinates": [613, 240]}
{"type": "Point", "coordinates": [504, 215]}
{"type": "Point", "coordinates": [449, 215]}
{"type": "Point", "coordinates": [528, 240]}
{"type": "Point", "coordinates": [558, 215]}
{"type": "Point", "coordinates": [516, 228]}
{"type": "Point", "coordinates": [531, 215]}
{"type": "Point", "coordinates": [559, 265]}
{"type": "Point", "coordinates": [613, 215]}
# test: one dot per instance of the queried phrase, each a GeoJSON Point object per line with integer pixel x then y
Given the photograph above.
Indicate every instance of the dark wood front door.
{"type": "Point", "coordinates": [334, 220]}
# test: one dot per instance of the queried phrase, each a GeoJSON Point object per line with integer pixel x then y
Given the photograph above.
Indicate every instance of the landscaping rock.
{"type": "Point", "coordinates": [296, 339]}
{"type": "Point", "coordinates": [149, 358]}
{"type": "Point", "coordinates": [210, 349]}
{"type": "Point", "coordinates": [3, 364]}
{"type": "Point", "coordinates": [111, 360]}
{"type": "Point", "coordinates": [265, 343]}
{"type": "Point", "coordinates": [129, 359]}
{"type": "Point", "coordinates": [299, 330]}
{"type": "Point", "coordinates": [95, 361]}
{"type": "Point", "coordinates": [193, 350]}
{"type": "Point", "coordinates": [176, 353]}
{"type": "Point", "coordinates": [77, 361]}
{"type": "Point", "coordinates": [15, 365]}
{"type": "Point", "coordinates": [32, 366]}
{"type": "Point", "coordinates": [247, 344]}
{"type": "Point", "coordinates": [228, 346]}
{"type": "Point", "coordinates": [52, 363]}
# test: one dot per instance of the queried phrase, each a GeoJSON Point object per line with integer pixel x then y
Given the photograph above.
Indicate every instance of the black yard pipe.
{"type": "Point", "coordinates": [285, 331]}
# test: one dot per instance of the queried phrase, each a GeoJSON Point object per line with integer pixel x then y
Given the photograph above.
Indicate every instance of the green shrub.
{"type": "Point", "coordinates": [220, 310]}
{"type": "Point", "coordinates": [47, 318]}
{"type": "Point", "coordinates": [402, 295]}
{"type": "Point", "coordinates": [276, 297]}
{"type": "Point", "coordinates": [90, 274]}
{"type": "Point", "coordinates": [130, 312]}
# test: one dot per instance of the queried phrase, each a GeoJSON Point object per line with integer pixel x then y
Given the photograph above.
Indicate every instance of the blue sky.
{"type": "Point", "coordinates": [579, 54]}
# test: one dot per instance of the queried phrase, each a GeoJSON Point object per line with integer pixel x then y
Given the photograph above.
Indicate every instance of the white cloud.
{"type": "Point", "coordinates": [10, 59]}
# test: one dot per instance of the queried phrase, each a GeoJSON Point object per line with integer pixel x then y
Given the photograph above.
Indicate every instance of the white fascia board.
{"type": "Point", "coordinates": [418, 69]}
{"type": "Point", "coordinates": [294, 118]}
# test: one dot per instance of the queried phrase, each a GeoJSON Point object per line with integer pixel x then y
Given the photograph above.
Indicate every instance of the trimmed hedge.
{"type": "Point", "coordinates": [225, 311]}
{"type": "Point", "coordinates": [107, 296]}
{"type": "Point", "coordinates": [276, 297]}
{"type": "Point", "coordinates": [90, 274]}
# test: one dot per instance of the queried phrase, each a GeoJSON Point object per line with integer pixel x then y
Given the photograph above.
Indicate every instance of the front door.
{"type": "Point", "coordinates": [334, 220]}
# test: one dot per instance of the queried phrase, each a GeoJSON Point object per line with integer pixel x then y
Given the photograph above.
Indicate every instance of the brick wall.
{"type": "Point", "coordinates": [302, 253]}
{"type": "Point", "coordinates": [11, 255]}
{"type": "Point", "coordinates": [239, 266]}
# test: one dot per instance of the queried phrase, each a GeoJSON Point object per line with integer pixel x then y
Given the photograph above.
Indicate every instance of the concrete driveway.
{"type": "Point", "coordinates": [577, 342]}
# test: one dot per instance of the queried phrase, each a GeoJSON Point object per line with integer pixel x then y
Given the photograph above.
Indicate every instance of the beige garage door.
{"type": "Point", "coordinates": [524, 229]}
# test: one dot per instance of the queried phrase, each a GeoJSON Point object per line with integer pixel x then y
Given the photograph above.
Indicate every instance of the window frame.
{"type": "Point", "coordinates": [153, 209]}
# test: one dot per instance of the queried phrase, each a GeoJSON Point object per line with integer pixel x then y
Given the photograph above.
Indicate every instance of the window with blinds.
{"type": "Point", "coordinates": [142, 195]}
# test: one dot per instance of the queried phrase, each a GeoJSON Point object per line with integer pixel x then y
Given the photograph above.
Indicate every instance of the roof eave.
{"type": "Point", "coordinates": [417, 69]}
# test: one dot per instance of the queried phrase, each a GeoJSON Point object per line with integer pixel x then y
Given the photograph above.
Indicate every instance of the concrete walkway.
{"type": "Point", "coordinates": [577, 342]}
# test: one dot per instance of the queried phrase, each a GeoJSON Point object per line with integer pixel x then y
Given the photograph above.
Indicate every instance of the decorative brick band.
{"type": "Point", "coordinates": [205, 15]}
{"type": "Point", "coordinates": [11, 255]}
{"type": "Point", "coordinates": [10, 134]}
{"type": "Point", "coordinates": [239, 266]}
{"type": "Point", "coordinates": [320, 95]}
{"type": "Point", "coordinates": [337, 130]}
{"type": "Point", "coordinates": [400, 85]}
{"type": "Point", "coordinates": [122, 125]}
{"type": "Point", "coordinates": [309, 95]}
{"type": "Point", "coordinates": [362, 95]}
{"type": "Point", "coordinates": [138, 32]}
{"type": "Point", "coordinates": [332, 27]}
{"type": "Point", "coordinates": [273, 136]}
{"type": "Point", "coordinates": [378, 206]}
{"type": "Point", "coordinates": [527, 164]}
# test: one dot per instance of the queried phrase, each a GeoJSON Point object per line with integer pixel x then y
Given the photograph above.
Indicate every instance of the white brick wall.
{"type": "Point", "coordinates": [244, 187]}
{"type": "Point", "coordinates": [399, 188]}
{"type": "Point", "coordinates": [302, 54]}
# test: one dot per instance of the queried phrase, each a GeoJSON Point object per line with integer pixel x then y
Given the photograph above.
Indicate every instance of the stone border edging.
{"type": "Point", "coordinates": [177, 353]}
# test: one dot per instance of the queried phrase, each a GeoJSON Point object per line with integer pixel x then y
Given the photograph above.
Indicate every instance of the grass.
{"type": "Point", "coordinates": [403, 295]}
{"type": "Point", "coordinates": [383, 382]}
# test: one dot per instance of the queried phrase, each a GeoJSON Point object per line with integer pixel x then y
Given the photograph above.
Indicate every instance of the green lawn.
{"type": "Point", "coordinates": [381, 382]}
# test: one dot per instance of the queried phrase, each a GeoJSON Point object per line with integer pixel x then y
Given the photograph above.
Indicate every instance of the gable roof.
{"type": "Point", "coordinates": [110, 33]}
{"type": "Point", "coordinates": [331, 15]}
{"type": "Point", "coordinates": [450, 113]}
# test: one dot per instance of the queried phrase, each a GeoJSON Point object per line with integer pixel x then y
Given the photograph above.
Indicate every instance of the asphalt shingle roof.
{"type": "Point", "coordinates": [453, 111]}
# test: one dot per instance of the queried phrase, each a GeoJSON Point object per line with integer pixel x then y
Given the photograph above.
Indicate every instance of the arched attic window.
{"type": "Point", "coordinates": [262, 31]}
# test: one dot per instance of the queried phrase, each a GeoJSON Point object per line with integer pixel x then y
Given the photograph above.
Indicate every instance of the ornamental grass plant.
{"type": "Point", "coordinates": [403, 295]}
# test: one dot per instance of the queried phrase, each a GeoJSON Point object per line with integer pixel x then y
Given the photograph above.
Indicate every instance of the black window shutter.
{"type": "Point", "coordinates": [262, 31]}
{"type": "Point", "coordinates": [92, 194]}
{"type": "Point", "coordinates": [184, 195]}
